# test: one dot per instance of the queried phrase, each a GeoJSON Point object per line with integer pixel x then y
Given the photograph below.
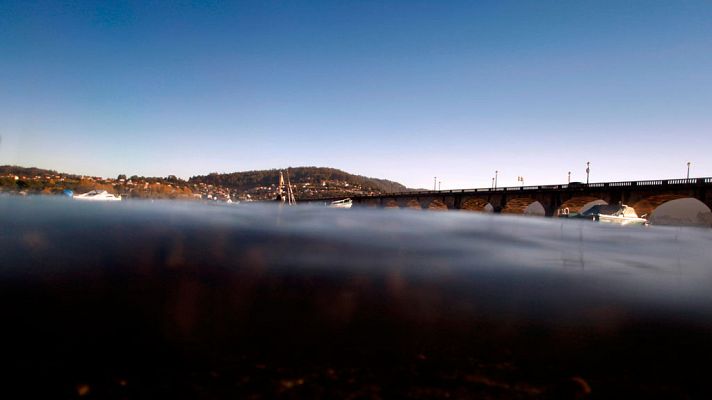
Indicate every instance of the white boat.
{"type": "Point", "coordinates": [616, 214]}
{"type": "Point", "coordinates": [97, 195]}
{"type": "Point", "coordinates": [345, 203]}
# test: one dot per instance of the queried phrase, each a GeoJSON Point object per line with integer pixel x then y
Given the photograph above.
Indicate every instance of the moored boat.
{"type": "Point", "coordinates": [619, 214]}
{"type": "Point", "coordinates": [345, 203]}
{"type": "Point", "coordinates": [97, 195]}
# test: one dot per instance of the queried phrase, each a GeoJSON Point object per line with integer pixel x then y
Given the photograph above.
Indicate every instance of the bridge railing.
{"type": "Point", "coordinates": [650, 183]}
{"type": "Point", "coordinates": [681, 181]}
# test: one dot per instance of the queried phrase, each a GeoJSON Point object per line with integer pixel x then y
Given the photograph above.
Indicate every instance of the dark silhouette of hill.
{"type": "Point", "coordinates": [315, 176]}
{"type": "Point", "coordinates": [25, 171]}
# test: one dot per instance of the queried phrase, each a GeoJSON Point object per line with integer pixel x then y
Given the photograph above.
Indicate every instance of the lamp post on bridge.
{"type": "Point", "coordinates": [521, 179]}
{"type": "Point", "coordinates": [688, 170]}
{"type": "Point", "coordinates": [588, 170]}
{"type": "Point", "coordinates": [435, 180]}
{"type": "Point", "coordinates": [495, 179]}
{"type": "Point", "coordinates": [569, 177]}
{"type": "Point", "coordinates": [492, 186]}
{"type": "Point", "coordinates": [439, 182]}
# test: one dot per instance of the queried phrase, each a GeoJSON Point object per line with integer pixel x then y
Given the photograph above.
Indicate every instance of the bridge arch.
{"type": "Point", "coordinates": [521, 205]}
{"type": "Point", "coordinates": [475, 204]}
{"type": "Point", "coordinates": [686, 211]}
{"type": "Point", "coordinates": [437, 205]}
{"type": "Point", "coordinates": [579, 204]}
{"type": "Point", "coordinates": [590, 204]}
{"type": "Point", "coordinates": [370, 203]}
{"type": "Point", "coordinates": [535, 208]}
{"type": "Point", "coordinates": [647, 205]}
{"type": "Point", "coordinates": [391, 203]}
{"type": "Point", "coordinates": [413, 204]}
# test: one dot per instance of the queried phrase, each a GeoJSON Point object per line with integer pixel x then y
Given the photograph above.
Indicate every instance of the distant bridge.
{"type": "Point", "coordinates": [644, 196]}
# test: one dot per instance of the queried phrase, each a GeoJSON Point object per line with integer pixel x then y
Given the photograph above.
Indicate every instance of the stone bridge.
{"type": "Point", "coordinates": [644, 196]}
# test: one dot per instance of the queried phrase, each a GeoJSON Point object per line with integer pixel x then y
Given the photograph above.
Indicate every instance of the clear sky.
{"type": "Point", "coordinates": [403, 90]}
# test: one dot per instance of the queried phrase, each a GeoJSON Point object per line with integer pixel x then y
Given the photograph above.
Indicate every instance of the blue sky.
{"type": "Point", "coordinates": [403, 90]}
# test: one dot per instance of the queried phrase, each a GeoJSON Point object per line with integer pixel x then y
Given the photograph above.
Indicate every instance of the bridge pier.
{"type": "Point", "coordinates": [555, 203]}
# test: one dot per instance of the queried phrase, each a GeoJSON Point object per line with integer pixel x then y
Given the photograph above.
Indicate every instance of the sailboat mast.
{"type": "Point", "coordinates": [290, 194]}
{"type": "Point", "coordinates": [280, 186]}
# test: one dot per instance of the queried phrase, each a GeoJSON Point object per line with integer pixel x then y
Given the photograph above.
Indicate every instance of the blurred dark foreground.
{"type": "Point", "coordinates": [170, 300]}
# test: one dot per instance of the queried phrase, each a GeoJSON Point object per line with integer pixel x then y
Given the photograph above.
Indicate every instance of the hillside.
{"type": "Point", "coordinates": [307, 182]}
{"type": "Point", "coordinates": [25, 171]}
{"type": "Point", "coordinates": [310, 182]}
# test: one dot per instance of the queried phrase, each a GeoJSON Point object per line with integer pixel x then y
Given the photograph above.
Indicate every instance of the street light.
{"type": "Point", "coordinates": [495, 179]}
{"type": "Point", "coordinates": [492, 186]}
{"type": "Point", "coordinates": [588, 170]}
{"type": "Point", "coordinates": [569, 176]}
{"type": "Point", "coordinates": [688, 170]}
{"type": "Point", "coordinates": [435, 180]}
{"type": "Point", "coordinates": [521, 179]}
{"type": "Point", "coordinates": [439, 182]}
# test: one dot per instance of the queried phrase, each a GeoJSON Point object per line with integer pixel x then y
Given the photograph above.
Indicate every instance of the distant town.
{"type": "Point", "coordinates": [307, 183]}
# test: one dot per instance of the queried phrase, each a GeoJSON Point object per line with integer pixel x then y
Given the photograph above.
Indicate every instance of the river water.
{"type": "Point", "coordinates": [147, 299]}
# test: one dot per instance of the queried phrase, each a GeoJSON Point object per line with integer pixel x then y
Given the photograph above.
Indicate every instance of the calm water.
{"type": "Point", "coordinates": [254, 300]}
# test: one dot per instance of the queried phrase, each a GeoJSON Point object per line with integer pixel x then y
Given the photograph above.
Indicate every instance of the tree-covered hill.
{"type": "Point", "coordinates": [243, 181]}
{"type": "Point", "coordinates": [25, 171]}
{"type": "Point", "coordinates": [307, 183]}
